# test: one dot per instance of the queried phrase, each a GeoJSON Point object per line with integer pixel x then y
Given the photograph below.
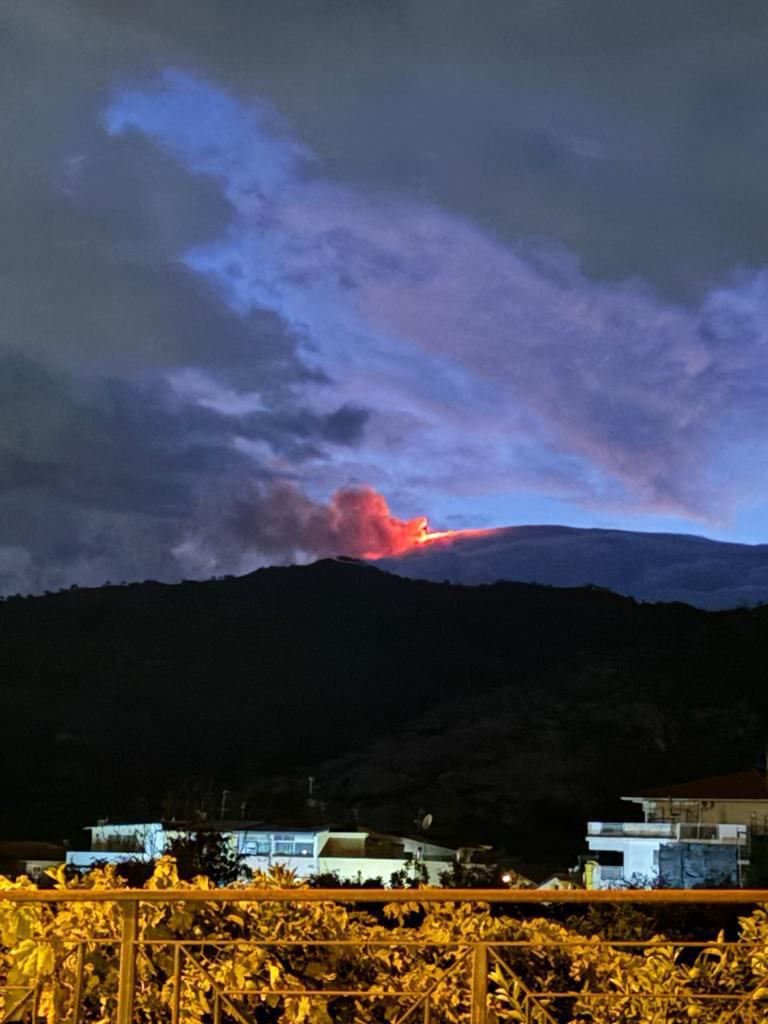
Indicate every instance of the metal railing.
{"type": "Point", "coordinates": [679, 830]}
{"type": "Point", "coordinates": [492, 977]}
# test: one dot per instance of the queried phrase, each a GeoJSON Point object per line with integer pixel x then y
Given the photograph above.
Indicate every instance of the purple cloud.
{"type": "Point", "coordinates": [483, 364]}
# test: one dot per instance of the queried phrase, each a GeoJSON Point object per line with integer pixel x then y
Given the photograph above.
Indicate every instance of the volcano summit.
{"type": "Point", "coordinates": [647, 566]}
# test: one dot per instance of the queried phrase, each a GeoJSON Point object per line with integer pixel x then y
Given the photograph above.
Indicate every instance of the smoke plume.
{"type": "Point", "coordinates": [279, 522]}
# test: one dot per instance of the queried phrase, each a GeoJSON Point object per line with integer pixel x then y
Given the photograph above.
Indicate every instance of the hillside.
{"type": "Point", "coordinates": [648, 566]}
{"type": "Point", "coordinates": [510, 711]}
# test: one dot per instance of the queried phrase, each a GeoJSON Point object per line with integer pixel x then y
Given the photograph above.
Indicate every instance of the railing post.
{"type": "Point", "coordinates": [479, 983]}
{"type": "Point", "coordinates": [127, 980]}
{"type": "Point", "coordinates": [176, 1004]}
{"type": "Point", "coordinates": [77, 995]}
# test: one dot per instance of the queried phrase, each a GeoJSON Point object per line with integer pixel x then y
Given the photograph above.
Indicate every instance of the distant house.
{"type": "Point", "coordinates": [351, 854]}
{"type": "Point", "coordinates": [114, 843]}
{"type": "Point", "coordinates": [29, 858]}
{"type": "Point", "coordinates": [709, 831]}
{"type": "Point", "coordinates": [560, 880]}
{"type": "Point", "coordinates": [531, 876]}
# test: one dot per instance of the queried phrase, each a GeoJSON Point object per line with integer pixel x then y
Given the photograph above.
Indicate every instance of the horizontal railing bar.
{"type": "Point", "coordinates": [360, 943]}
{"type": "Point", "coordinates": [589, 940]}
{"type": "Point", "coordinates": [246, 895]}
{"type": "Point", "coordinates": [535, 994]}
{"type": "Point", "coordinates": [353, 993]}
{"type": "Point", "coordinates": [395, 943]}
{"type": "Point", "coordinates": [690, 997]}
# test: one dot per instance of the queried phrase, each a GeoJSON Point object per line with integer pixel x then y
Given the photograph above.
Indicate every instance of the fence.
{"type": "Point", "coordinates": [471, 976]}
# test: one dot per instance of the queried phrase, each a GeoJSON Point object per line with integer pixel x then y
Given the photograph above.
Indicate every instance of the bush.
{"type": "Point", "coordinates": [328, 944]}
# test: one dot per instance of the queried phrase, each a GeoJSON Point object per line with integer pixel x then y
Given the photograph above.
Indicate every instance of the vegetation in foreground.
{"type": "Point", "coordinates": [657, 980]}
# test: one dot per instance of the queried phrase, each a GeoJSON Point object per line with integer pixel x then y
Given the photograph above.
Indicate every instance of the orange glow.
{"type": "Point", "coordinates": [358, 522]}
{"type": "Point", "coordinates": [415, 533]}
{"type": "Point", "coordinates": [428, 536]}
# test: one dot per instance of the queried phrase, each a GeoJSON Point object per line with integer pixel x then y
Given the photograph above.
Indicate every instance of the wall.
{"type": "Point", "coordinates": [87, 858]}
{"type": "Point", "coordinates": [639, 860]}
{"type": "Point", "coordinates": [302, 866]}
{"type": "Point", "coordinates": [442, 853]}
{"type": "Point", "coordinates": [350, 868]}
{"type": "Point", "coordinates": [150, 837]}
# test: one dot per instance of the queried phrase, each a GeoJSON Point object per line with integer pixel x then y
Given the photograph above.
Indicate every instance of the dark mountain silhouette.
{"type": "Point", "coordinates": [510, 712]}
{"type": "Point", "coordinates": [649, 566]}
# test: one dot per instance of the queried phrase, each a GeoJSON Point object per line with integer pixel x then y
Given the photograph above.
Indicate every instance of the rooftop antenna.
{"type": "Point", "coordinates": [223, 811]}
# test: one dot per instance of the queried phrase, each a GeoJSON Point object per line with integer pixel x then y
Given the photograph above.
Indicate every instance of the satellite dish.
{"type": "Point", "coordinates": [426, 821]}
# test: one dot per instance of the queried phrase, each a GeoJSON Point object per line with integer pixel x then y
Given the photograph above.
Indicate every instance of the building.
{"type": "Point", "coordinates": [353, 855]}
{"type": "Point", "coordinates": [709, 831]}
{"type": "Point", "coordinates": [560, 880]}
{"type": "Point", "coordinates": [29, 858]}
{"type": "Point", "coordinates": [113, 843]}
{"type": "Point", "coordinates": [532, 876]}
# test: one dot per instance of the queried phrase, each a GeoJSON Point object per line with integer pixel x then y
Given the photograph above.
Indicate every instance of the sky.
{"type": "Point", "coordinates": [496, 262]}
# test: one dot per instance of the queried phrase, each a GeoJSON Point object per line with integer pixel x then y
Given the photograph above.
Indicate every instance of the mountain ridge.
{"type": "Point", "coordinates": [512, 712]}
{"type": "Point", "coordinates": [666, 567]}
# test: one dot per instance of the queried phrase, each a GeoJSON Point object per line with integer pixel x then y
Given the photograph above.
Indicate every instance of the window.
{"type": "Point", "coordinates": [257, 846]}
{"type": "Point", "coordinates": [119, 842]}
{"type": "Point", "coordinates": [294, 846]}
{"type": "Point", "coordinates": [610, 858]}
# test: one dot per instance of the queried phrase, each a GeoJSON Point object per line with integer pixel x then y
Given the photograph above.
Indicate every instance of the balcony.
{"type": "Point", "coordinates": [678, 831]}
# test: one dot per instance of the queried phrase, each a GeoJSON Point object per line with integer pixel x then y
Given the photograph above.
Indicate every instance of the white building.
{"type": "Point", "coordinates": [352, 855]}
{"type": "Point", "coordinates": [691, 833]}
{"type": "Point", "coordinates": [115, 844]}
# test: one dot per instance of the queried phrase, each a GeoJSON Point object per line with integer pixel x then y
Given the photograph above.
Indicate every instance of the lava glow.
{"type": "Point", "coordinates": [392, 536]}
{"type": "Point", "coordinates": [356, 521]}
{"type": "Point", "coordinates": [427, 536]}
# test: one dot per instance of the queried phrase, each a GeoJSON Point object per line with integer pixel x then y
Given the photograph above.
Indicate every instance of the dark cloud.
{"type": "Point", "coordinates": [91, 278]}
{"type": "Point", "coordinates": [100, 479]}
{"type": "Point", "coordinates": [635, 135]}
{"type": "Point", "coordinates": [345, 426]}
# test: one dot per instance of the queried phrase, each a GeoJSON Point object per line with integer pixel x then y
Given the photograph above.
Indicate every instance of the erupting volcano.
{"type": "Point", "coordinates": [360, 519]}
{"type": "Point", "coordinates": [356, 522]}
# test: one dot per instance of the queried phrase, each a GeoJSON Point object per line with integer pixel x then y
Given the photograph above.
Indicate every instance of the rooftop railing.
{"type": "Point", "coordinates": [292, 955]}
{"type": "Point", "coordinates": [677, 830]}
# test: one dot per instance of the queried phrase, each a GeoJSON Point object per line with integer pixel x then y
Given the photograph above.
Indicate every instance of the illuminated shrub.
{"type": "Point", "coordinates": [270, 947]}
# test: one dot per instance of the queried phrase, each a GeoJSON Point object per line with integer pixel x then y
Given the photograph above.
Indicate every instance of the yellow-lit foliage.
{"type": "Point", "coordinates": [39, 943]}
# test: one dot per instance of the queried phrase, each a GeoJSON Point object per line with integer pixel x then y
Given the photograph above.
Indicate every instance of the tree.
{"type": "Point", "coordinates": [411, 875]}
{"type": "Point", "coordinates": [207, 853]}
{"type": "Point", "coordinates": [333, 880]}
{"type": "Point", "coordinates": [470, 876]}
